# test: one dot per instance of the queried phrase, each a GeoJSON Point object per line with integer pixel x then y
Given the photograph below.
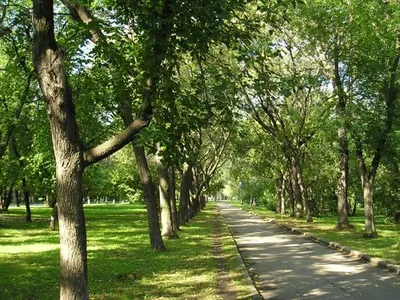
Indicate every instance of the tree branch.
{"type": "Point", "coordinates": [115, 143]}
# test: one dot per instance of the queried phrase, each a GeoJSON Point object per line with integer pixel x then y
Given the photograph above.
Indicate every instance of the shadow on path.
{"type": "Point", "coordinates": [288, 266]}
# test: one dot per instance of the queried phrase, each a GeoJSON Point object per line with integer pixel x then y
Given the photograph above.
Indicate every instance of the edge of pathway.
{"type": "Point", "coordinates": [375, 261]}
{"type": "Point", "coordinates": [255, 294]}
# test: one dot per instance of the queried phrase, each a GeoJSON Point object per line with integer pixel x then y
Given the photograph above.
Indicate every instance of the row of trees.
{"type": "Point", "coordinates": [320, 94]}
{"type": "Point", "coordinates": [152, 71]}
{"type": "Point", "coordinates": [295, 102]}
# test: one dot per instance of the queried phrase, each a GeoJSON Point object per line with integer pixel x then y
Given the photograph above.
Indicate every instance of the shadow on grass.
{"type": "Point", "coordinates": [120, 262]}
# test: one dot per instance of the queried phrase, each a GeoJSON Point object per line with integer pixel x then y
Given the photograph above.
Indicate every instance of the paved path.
{"type": "Point", "coordinates": [288, 266]}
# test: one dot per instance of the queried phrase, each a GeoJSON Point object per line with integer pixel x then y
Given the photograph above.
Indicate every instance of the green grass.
{"type": "Point", "coordinates": [120, 261]}
{"type": "Point", "coordinates": [385, 246]}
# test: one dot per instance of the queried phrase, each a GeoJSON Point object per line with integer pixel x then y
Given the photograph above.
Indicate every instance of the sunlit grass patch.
{"type": "Point", "coordinates": [120, 261]}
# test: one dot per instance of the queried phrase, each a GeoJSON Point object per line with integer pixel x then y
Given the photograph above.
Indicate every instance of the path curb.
{"type": "Point", "coordinates": [375, 261]}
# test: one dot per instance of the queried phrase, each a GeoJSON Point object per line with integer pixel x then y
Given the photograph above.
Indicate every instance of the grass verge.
{"type": "Point", "coordinates": [120, 261]}
{"type": "Point", "coordinates": [385, 246]}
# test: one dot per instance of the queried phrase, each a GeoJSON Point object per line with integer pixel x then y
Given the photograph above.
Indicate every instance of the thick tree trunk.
{"type": "Point", "coordinates": [50, 65]}
{"type": "Point", "coordinates": [342, 197]}
{"type": "Point", "coordinates": [303, 190]}
{"type": "Point", "coordinates": [72, 228]}
{"type": "Point", "coordinates": [149, 192]}
{"type": "Point", "coordinates": [172, 198]}
{"type": "Point", "coordinates": [165, 203]}
{"type": "Point", "coordinates": [368, 191]}
{"type": "Point", "coordinates": [367, 183]}
{"type": "Point", "coordinates": [297, 191]}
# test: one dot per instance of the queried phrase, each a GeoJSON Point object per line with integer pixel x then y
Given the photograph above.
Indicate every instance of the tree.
{"type": "Point", "coordinates": [70, 155]}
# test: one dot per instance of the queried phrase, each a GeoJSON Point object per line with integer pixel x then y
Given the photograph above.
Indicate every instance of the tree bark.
{"type": "Point", "coordinates": [172, 198]}
{"type": "Point", "coordinates": [70, 158]}
{"type": "Point", "coordinates": [185, 194]}
{"type": "Point", "coordinates": [368, 192]}
{"type": "Point", "coordinates": [165, 203]}
{"type": "Point", "coordinates": [28, 216]}
{"type": "Point", "coordinates": [149, 192]}
{"type": "Point", "coordinates": [342, 190]}
{"type": "Point", "coordinates": [283, 207]}
{"type": "Point", "coordinates": [367, 183]}
{"type": "Point", "coordinates": [278, 186]}
{"type": "Point", "coordinates": [303, 190]}
{"type": "Point", "coordinates": [297, 191]}
{"type": "Point", "coordinates": [291, 196]}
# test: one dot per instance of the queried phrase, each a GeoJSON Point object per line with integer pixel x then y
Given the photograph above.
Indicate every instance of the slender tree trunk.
{"type": "Point", "coordinates": [146, 180]}
{"type": "Point", "coordinates": [149, 192]}
{"type": "Point", "coordinates": [17, 200]}
{"type": "Point", "coordinates": [7, 197]}
{"type": "Point", "coordinates": [28, 216]}
{"type": "Point", "coordinates": [172, 198]}
{"type": "Point", "coordinates": [185, 195]}
{"type": "Point", "coordinates": [291, 196]}
{"type": "Point", "coordinates": [54, 214]}
{"type": "Point", "coordinates": [283, 207]}
{"type": "Point", "coordinates": [278, 186]}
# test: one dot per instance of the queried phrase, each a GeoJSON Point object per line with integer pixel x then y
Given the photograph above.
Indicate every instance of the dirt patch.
{"type": "Point", "coordinates": [225, 286]}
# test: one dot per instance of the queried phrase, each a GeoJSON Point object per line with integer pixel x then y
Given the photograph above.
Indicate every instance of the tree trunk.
{"type": "Point", "coordinates": [284, 180]}
{"type": "Point", "coordinates": [342, 197]}
{"type": "Point", "coordinates": [172, 198]}
{"type": "Point", "coordinates": [149, 193]}
{"type": "Point", "coordinates": [342, 193]}
{"type": "Point", "coordinates": [165, 203]}
{"type": "Point", "coordinates": [297, 191]}
{"type": "Point", "coordinates": [368, 192]}
{"type": "Point", "coordinates": [279, 191]}
{"type": "Point", "coordinates": [54, 215]}
{"type": "Point", "coordinates": [291, 196]}
{"type": "Point", "coordinates": [303, 190]}
{"type": "Point", "coordinates": [185, 194]}
{"type": "Point", "coordinates": [17, 200]}
{"type": "Point", "coordinates": [28, 217]}
{"type": "Point", "coordinates": [50, 66]}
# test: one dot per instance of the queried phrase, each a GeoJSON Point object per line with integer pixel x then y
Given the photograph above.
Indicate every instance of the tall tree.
{"type": "Point", "coordinates": [71, 156]}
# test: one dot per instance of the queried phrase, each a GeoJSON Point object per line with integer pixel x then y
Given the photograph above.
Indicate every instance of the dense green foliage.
{"type": "Point", "coordinates": [290, 105]}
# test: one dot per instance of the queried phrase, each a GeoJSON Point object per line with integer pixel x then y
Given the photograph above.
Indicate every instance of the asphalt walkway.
{"type": "Point", "coordinates": [288, 266]}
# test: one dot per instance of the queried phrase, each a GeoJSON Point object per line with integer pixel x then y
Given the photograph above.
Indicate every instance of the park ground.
{"type": "Point", "coordinates": [201, 264]}
{"type": "Point", "coordinates": [197, 265]}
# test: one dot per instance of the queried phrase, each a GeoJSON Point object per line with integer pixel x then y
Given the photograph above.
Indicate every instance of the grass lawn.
{"type": "Point", "coordinates": [385, 246]}
{"type": "Point", "coordinates": [120, 261]}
